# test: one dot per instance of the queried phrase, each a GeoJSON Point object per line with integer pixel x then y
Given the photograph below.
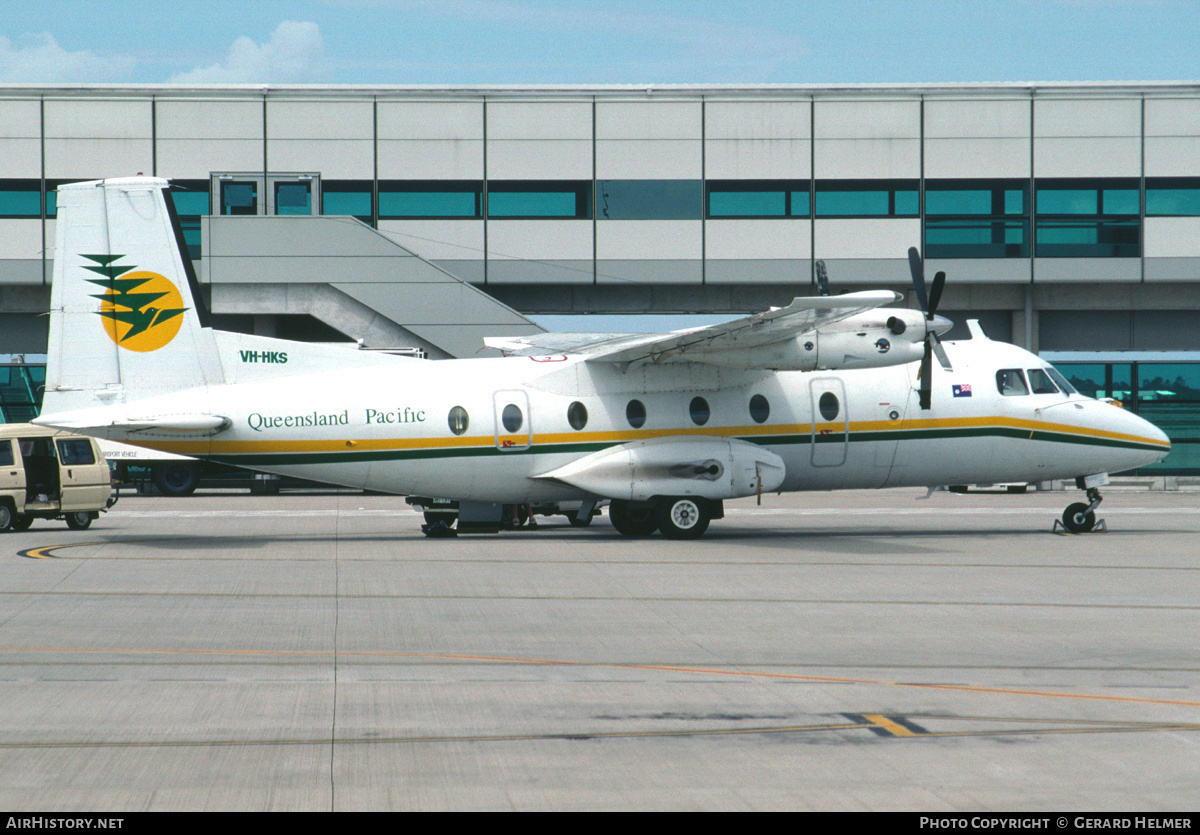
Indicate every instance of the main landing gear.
{"type": "Point", "coordinates": [677, 517]}
{"type": "Point", "coordinates": [1080, 517]}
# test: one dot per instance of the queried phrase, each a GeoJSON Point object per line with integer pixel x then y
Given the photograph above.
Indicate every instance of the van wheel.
{"type": "Point", "coordinates": [6, 517]}
{"type": "Point", "coordinates": [79, 521]}
{"type": "Point", "coordinates": [179, 478]}
{"type": "Point", "coordinates": [21, 522]}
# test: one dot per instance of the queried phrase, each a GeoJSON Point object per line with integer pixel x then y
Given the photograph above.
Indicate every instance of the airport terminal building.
{"type": "Point", "coordinates": [1067, 216]}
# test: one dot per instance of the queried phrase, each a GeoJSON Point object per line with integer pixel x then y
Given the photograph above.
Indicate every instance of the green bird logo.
{"type": "Point", "coordinates": [143, 310]}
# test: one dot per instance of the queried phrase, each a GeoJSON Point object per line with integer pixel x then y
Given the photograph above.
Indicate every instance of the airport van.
{"type": "Point", "coordinates": [51, 474]}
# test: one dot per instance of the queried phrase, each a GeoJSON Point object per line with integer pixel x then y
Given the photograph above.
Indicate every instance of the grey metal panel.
{"type": "Point", "coordinates": [879, 272]}
{"type": "Point", "coordinates": [471, 271]}
{"type": "Point", "coordinates": [541, 271]}
{"type": "Point", "coordinates": [1173, 269]}
{"type": "Point", "coordinates": [415, 304]}
{"type": "Point", "coordinates": [758, 271]}
{"type": "Point", "coordinates": [1085, 330]}
{"type": "Point", "coordinates": [1087, 269]}
{"type": "Point", "coordinates": [21, 333]}
{"type": "Point", "coordinates": [981, 270]}
{"type": "Point", "coordinates": [23, 271]}
{"type": "Point", "coordinates": [316, 236]}
{"type": "Point", "coordinates": [649, 272]}
{"type": "Point", "coordinates": [1166, 330]}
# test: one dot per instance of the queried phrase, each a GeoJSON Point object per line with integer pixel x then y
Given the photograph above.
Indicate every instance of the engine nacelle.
{"type": "Point", "coordinates": [874, 339]}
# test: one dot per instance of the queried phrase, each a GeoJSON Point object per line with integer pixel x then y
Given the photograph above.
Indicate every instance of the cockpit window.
{"type": "Point", "coordinates": [1011, 382]}
{"type": "Point", "coordinates": [1040, 382]}
{"type": "Point", "coordinates": [1057, 377]}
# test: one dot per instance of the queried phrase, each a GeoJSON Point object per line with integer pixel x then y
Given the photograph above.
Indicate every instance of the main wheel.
{"type": "Point", "coordinates": [632, 521]}
{"type": "Point", "coordinates": [578, 521]}
{"type": "Point", "coordinates": [1077, 519]}
{"type": "Point", "coordinates": [79, 521]}
{"type": "Point", "coordinates": [683, 518]}
{"type": "Point", "coordinates": [178, 478]}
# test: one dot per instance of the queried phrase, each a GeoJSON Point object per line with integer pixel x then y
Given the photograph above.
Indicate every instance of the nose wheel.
{"type": "Point", "coordinates": [1080, 517]}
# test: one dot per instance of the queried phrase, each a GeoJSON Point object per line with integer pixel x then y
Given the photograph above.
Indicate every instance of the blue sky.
{"type": "Point", "coordinates": [474, 42]}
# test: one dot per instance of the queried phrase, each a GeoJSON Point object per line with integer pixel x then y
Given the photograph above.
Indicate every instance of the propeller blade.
{"type": "Point", "coordinates": [932, 340]}
{"type": "Point", "coordinates": [822, 279]}
{"type": "Point", "coordinates": [935, 293]}
{"type": "Point", "coordinates": [918, 277]}
{"type": "Point", "coordinates": [924, 374]}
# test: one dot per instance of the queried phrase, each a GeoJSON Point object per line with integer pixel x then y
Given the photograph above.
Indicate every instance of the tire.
{"type": "Point", "coordinates": [1077, 519]}
{"type": "Point", "coordinates": [22, 522]}
{"type": "Point", "coordinates": [578, 521]}
{"type": "Point", "coordinates": [178, 478]}
{"type": "Point", "coordinates": [632, 521]}
{"type": "Point", "coordinates": [7, 517]}
{"type": "Point", "coordinates": [80, 521]}
{"type": "Point", "coordinates": [683, 518]}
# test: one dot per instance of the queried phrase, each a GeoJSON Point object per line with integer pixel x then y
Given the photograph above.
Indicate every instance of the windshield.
{"type": "Point", "coordinates": [1057, 377]}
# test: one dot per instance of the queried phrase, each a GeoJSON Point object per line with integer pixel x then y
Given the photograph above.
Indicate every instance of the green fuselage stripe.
{"type": "Point", "coordinates": [251, 459]}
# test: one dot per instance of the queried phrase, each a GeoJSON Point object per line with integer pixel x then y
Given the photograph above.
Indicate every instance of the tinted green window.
{"type": "Point", "coordinates": [293, 198]}
{"type": "Point", "coordinates": [1176, 196]}
{"type": "Point", "coordinates": [747, 204]}
{"type": "Point", "coordinates": [20, 198]}
{"type": "Point", "coordinates": [539, 199]}
{"type": "Point", "coordinates": [758, 198]}
{"type": "Point", "coordinates": [347, 197]}
{"type": "Point", "coordinates": [1089, 239]}
{"type": "Point", "coordinates": [400, 199]}
{"type": "Point", "coordinates": [1169, 381]}
{"type": "Point", "coordinates": [968, 238]}
{"type": "Point", "coordinates": [1088, 379]}
{"type": "Point", "coordinates": [191, 202]}
{"type": "Point", "coordinates": [1120, 201]}
{"type": "Point", "coordinates": [859, 198]}
{"type": "Point", "coordinates": [648, 199]}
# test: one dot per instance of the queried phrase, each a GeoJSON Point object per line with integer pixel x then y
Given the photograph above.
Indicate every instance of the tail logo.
{"type": "Point", "coordinates": [143, 310]}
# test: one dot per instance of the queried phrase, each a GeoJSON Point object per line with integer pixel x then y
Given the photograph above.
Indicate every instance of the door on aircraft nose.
{"type": "Point", "coordinates": [830, 422]}
{"type": "Point", "coordinates": [514, 429]}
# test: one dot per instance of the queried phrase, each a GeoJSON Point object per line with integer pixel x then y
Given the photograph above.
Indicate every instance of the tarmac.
{"type": "Point", "coordinates": [822, 651]}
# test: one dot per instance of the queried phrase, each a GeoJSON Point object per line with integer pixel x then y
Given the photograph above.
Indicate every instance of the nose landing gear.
{"type": "Point", "coordinates": [1080, 517]}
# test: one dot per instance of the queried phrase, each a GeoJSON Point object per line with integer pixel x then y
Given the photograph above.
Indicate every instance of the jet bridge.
{"type": "Point", "coordinates": [351, 277]}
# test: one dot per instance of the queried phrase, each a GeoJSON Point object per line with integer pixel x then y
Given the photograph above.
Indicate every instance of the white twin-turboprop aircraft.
{"type": "Point", "coordinates": [829, 392]}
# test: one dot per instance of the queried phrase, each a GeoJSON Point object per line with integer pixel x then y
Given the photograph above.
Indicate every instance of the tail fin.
{"type": "Point", "coordinates": [126, 317]}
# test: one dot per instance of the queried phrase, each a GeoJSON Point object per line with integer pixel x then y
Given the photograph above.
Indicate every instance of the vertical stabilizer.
{"type": "Point", "coordinates": [126, 318]}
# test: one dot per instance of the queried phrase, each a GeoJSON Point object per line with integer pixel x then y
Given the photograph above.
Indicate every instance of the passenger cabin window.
{"type": "Point", "coordinates": [511, 417]}
{"type": "Point", "coordinates": [1011, 382]}
{"type": "Point", "coordinates": [75, 452]}
{"type": "Point", "coordinates": [635, 413]}
{"type": "Point", "coordinates": [1040, 382]}
{"type": "Point", "coordinates": [828, 405]}
{"type": "Point", "coordinates": [577, 415]}
{"type": "Point", "coordinates": [458, 420]}
{"type": "Point", "coordinates": [699, 411]}
{"type": "Point", "coordinates": [760, 409]}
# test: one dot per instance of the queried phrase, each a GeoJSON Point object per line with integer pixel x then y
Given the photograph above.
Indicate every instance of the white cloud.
{"type": "Point", "coordinates": [37, 58]}
{"type": "Point", "coordinates": [294, 54]}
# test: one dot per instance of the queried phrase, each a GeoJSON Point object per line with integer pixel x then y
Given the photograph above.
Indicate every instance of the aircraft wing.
{"type": "Point", "coordinates": [804, 315]}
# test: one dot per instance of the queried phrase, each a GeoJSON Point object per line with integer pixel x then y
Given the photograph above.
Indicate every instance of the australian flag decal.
{"type": "Point", "coordinates": [963, 390]}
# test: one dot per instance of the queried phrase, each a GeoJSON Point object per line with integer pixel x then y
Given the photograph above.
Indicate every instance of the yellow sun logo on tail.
{"type": "Point", "coordinates": [143, 310]}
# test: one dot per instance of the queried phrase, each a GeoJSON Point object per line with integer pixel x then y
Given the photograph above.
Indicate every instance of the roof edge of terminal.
{"type": "Point", "coordinates": [401, 91]}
